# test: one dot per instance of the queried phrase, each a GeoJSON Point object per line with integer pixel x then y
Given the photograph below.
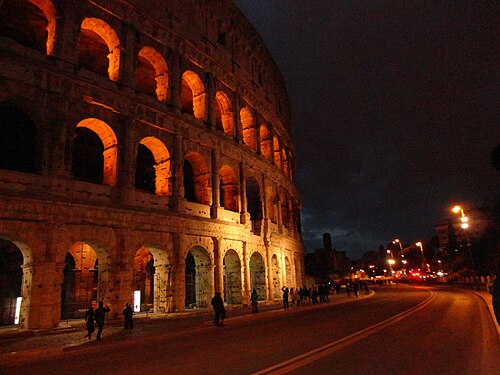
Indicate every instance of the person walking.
{"type": "Point", "coordinates": [99, 315]}
{"type": "Point", "coordinates": [254, 299]}
{"type": "Point", "coordinates": [355, 287]}
{"type": "Point", "coordinates": [220, 312]}
{"type": "Point", "coordinates": [285, 297]}
{"type": "Point", "coordinates": [128, 313]}
{"type": "Point", "coordinates": [89, 322]}
{"type": "Point", "coordinates": [495, 297]}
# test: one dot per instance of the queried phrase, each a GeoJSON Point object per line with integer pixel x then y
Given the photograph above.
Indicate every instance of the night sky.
{"type": "Point", "coordinates": [394, 112]}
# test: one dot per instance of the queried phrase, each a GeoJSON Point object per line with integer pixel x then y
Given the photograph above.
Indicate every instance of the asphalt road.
{"type": "Point", "coordinates": [399, 330]}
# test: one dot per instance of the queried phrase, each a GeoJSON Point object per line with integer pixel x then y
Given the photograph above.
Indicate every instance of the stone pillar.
{"type": "Point", "coordinates": [175, 82]}
{"type": "Point", "coordinates": [219, 265]}
{"type": "Point", "coordinates": [215, 184]}
{"type": "Point", "coordinates": [243, 204]}
{"type": "Point", "coordinates": [257, 134]}
{"type": "Point", "coordinates": [41, 296]}
{"type": "Point", "coordinates": [238, 135]}
{"type": "Point", "coordinates": [246, 276]}
{"type": "Point", "coordinates": [128, 55]}
{"type": "Point", "coordinates": [179, 271]}
{"type": "Point", "coordinates": [127, 151]}
{"type": "Point", "coordinates": [269, 273]}
{"type": "Point", "coordinates": [210, 101]}
{"type": "Point", "coordinates": [279, 213]}
{"type": "Point", "coordinates": [178, 193]}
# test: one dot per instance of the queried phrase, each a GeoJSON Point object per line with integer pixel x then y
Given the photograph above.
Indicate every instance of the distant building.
{"type": "Point", "coordinates": [327, 261]}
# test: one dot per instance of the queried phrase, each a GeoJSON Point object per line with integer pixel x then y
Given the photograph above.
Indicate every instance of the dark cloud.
{"type": "Point", "coordinates": [394, 111]}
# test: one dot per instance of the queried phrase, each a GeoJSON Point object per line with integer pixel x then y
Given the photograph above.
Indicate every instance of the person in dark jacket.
{"type": "Point", "coordinates": [89, 321]}
{"type": "Point", "coordinates": [127, 314]}
{"type": "Point", "coordinates": [220, 312]}
{"type": "Point", "coordinates": [285, 297]}
{"type": "Point", "coordinates": [254, 298]}
{"type": "Point", "coordinates": [495, 298]}
{"type": "Point", "coordinates": [99, 315]}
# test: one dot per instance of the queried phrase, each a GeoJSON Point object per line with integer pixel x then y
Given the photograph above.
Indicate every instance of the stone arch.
{"type": "Point", "coordinates": [288, 273]}
{"type": "Point", "coordinates": [284, 207]}
{"type": "Point", "coordinates": [266, 142]}
{"type": "Point", "coordinates": [224, 113]}
{"type": "Point", "coordinates": [275, 273]}
{"type": "Point", "coordinates": [153, 171]}
{"type": "Point", "coordinates": [94, 162]}
{"type": "Point", "coordinates": [229, 188]}
{"type": "Point", "coordinates": [151, 73]}
{"type": "Point", "coordinates": [248, 129]}
{"type": "Point", "coordinates": [277, 152]}
{"type": "Point", "coordinates": [254, 204]}
{"type": "Point", "coordinates": [258, 275]}
{"type": "Point", "coordinates": [232, 278]}
{"type": "Point", "coordinates": [271, 202]}
{"type": "Point", "coordinates": [80, 285]}
{"type": "Point", "coordinates": [31, 23]}
{"type": "Point", "coordinates": [285, 166]}
{"type": "Point", "coordinates": [193, 95]}
{"type": "Point", "coordinates": [196, 178]}
{"type": "Point", "coordinates": [14, 281]}
{"type": "Point", "coordinates": [144, 277]}
{"type": "Point", "coordinates": [99, 48]}
{"type": "Point", "coordinates": [198, 282]}
{"type": "Point", "coordinates": [18, 140]}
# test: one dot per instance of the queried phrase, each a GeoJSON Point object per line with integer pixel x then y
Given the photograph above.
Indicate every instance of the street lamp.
{"type": "Point", "coordinates": [397, 241]}
{"type": "Point", "coordinates": [424, 265]}
{"type": "Point", "coordinates": [465, 225]}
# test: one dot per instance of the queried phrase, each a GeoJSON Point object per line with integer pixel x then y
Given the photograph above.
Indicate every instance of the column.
{"type": "Point", "coordinates": [175, 81]}
{"type": "Point", "coordinates": [178, 165]}
{"type": "Point", "coordinates": [210, 101]}
{"type": "Point", "coordinates": [215, 184]}
{"type": "Point", "coordinates": [243, 204]}
{"type": "Point", "coordinates": [219, 266]}
{"type": "Point", "coordinates": [246, 276]}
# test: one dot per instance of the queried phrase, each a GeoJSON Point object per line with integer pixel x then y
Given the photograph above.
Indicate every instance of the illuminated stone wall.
{"type": "Point", "coordinates": [144, 129]}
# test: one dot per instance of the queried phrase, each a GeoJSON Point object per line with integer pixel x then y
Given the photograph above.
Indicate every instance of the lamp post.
{"type": "Point", "coordinates": [465, 225]}
{"type": "Point", "coordinates": [424, 265]}
{"type": "Point", "coordinates": [397, 241]}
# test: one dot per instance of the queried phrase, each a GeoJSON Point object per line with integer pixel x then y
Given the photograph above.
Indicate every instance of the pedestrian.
{"type": "Point", "coordinates": [285, 297]}
{"type": "Point", "coordinates": [292, 296]}
{"type": "Point", "coordinates": [348, 289]}
{"type": "Point", "coordinates": [220, 312]}
{"type": "Point", "coordinates": [99, 315]}
{"type": "Point", "coordinates": [128, 313]}
{"type": "Point", "coordinates": [254, 298]}
{"type": "Point", "coordinates": [355, 287]}
{"type": "Point", "coordinates": [89, 321]}
{"type": "Point", "coordinates": [314, 295]}
{"type": "Point", "coordinates": [495, 297]}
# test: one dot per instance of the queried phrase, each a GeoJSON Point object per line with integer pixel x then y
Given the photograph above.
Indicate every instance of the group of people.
{"type": "Point", "coordinates": [97, 316]}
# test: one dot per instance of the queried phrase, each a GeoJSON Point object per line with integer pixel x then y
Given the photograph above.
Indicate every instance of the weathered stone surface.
{"type": "Point", "coordinates": [161, 159]}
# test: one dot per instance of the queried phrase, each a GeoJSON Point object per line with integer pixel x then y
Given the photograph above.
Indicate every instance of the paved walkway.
{"type": "Point", "coordinates": [16, 345]}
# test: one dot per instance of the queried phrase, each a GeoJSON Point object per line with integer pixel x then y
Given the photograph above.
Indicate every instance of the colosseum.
{"type": "Point", "coordinates": [145, 157]}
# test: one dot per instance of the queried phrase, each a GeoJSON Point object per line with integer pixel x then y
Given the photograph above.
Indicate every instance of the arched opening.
{"type": "Point", "coordinates": [248, 129]}
{"type": "Point", "coordinates": [193, 95]}
{"type": "Point", "coordinates": [81, 279]}
{"type": "Point", "coordinates": [18, 140]}
{"type": "Point", "coordinates": [288, 271]}
{"type": "Point", "coordinates": [99, 48]}
{"type": "Point", "coordinates": [152, 172]}
{"type": "Point", "coordinates": [144, 274]}
{"type": "Point", "coordinates": [11, 280]}
{"type": "Point", "coordinates": [277, 152]}
{"type": "Point", "coordinates": [254, 204]}
{"type": "Point", "coordinates": [258, 275]}
{"type": "Point", "coordinates": [196, 179]}
{"type": "Point", "coordinates": [223, 113]}
{"type": "Point", "coordinates": [271, 204]}
{"type": "Point", "coordinates": [198, 278]}
{"type": "Point", "coordinates": [284, 159]}
{"type": "Point", "coordinates": [265, 142]}
{"type": "Point", "coordinates": [284, 209]}
{"type": "Point", "coordinates": [298, 281]}
{"type": "Point", "coordinates": [275, 272]}
{"type": "Point", "coordinates": [151, 73]}
{"type": "Point", "coordinates": [229, 188]}
{"type": "Point", "coordinates": [232, 278]}
{"type": "Point", "coordinates": [94, 153]}
{"type": "Point", "coordinates": [30, 23]}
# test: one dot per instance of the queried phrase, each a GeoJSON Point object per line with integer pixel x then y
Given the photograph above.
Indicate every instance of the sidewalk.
{"type": "Point", "coordinates": [488, 300]}
{"type": "Point", "coordinates": [16, 345]}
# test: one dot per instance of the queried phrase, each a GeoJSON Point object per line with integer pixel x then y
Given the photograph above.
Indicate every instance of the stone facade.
{"type": "Point", "coordinates": [145, 147]}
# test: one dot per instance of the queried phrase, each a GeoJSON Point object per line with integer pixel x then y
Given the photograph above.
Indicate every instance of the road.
{"type": "Point", "coordinates": [399, 330]}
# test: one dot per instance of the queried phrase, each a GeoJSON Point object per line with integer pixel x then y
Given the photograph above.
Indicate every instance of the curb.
{"type": "Point", "coordinates": [490, 309]}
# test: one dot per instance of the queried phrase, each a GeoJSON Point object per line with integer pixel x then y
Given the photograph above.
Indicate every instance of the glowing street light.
{"type": "Point", "coordinates": [419, 244]}
{"type": "Point", "coordinates": [465, 225]}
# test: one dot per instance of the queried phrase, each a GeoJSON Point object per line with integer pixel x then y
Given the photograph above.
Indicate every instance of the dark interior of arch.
{"type": "Point", "coordinates": [88, 160]}
{"type": "Point", "coordinates": [145, 76]}
{"type": "Point", "coordinates": [25, 23]}
{"type": "Point", "coordinates": [253, 199]}
{"type": "Point", "coordinates": [187, 98]}
{"type": "Point", "coordinates": [189, 188]}
{"type": "Point", "coordinates": [17, 140]}
{"type": "Point", "coordinates": [11, 277]}
{"type": "Point", "coordinates": [145, 175]}
{"type": "Point", "coordinates": [93, 52]}
{"type": "Point", "coordinates": [190, 280]}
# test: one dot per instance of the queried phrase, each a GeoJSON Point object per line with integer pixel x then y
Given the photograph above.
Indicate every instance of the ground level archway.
{"type": "Point", "coordinates": [198, 281]}
{"type": "Point", "coordinates": [232, 278]}
{"type": "Point", "coordinates": [258, 275]}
